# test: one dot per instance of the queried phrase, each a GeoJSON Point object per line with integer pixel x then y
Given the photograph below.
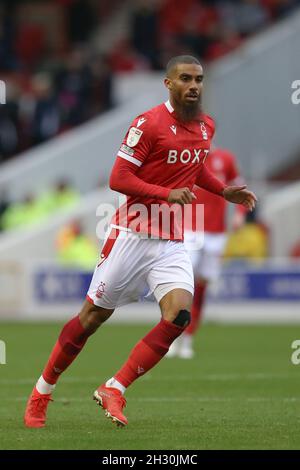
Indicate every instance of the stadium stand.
{"type": "Point", "coordinates": [53, 81]}
{"type": "Point", "coordinates": [74, 87]}
{"type": "Point", "coordinates": [58, 81]}
{"type": "Point", "coordinates": [76, 73]}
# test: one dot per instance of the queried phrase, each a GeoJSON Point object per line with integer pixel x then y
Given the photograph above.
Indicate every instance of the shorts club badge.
{"type": "Point", "coordinates": [100, 290]}
{"type": "Point", "coordinates": [134, 136]}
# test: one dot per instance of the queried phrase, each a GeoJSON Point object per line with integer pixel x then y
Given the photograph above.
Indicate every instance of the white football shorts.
{"type": "Point", "coordinates": [206, 260]}
{"type": "Point", "coordinates": [130, 265]}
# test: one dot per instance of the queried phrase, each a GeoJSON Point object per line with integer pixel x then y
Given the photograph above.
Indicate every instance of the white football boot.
{"type": "Point", "coordinates": [174, 348]}
{"type": "Point", "coordinates": [186, 351]}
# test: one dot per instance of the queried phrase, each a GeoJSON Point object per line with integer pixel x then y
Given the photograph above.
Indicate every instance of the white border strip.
{"type": "Point", "coordinates": [169, 106]}
{"type": "Point", "coordinates": [130, 159]}
{"type": "Point", "coordinates": [119, 227]}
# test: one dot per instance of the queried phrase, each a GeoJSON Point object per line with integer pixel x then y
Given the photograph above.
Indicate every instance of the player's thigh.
{"type": "Point", "coordinates": [117, 278]}
{"type": "Point", "coordinates": [171, 280]}
{"type": "Point", "coordinates": [109, 274]}
{"type": "Point", "coordinates": [174, 302]}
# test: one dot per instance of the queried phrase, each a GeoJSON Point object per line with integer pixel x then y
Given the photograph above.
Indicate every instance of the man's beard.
{"type": "Point", "coordinates": [188, 111]}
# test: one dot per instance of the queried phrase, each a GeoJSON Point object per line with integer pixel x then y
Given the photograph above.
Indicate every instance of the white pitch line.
{"type": "Point", "coordinates": [70, 400]}
{"type": "Point", "coordinates": [165, 378]}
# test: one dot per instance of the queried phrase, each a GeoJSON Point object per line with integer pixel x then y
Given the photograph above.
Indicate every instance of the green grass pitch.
{"type": "Point", "coordinates": [240, 392]}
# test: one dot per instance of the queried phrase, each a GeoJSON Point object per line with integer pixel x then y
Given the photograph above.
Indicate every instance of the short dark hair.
{"type": "Point", "coordinates": [180, 59]}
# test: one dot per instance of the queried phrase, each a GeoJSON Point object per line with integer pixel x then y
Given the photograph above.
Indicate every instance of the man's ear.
{"type": "Point", "coordinates": [168, 83]}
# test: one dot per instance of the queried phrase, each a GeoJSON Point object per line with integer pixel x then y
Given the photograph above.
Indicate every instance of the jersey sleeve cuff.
{"type": "Point", "coordinates": [165, 193]}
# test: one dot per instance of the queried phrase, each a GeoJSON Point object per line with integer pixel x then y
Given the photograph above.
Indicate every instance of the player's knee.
{"type": "Point", "coordinates": [92, 317]}
{"type": "Point", "coordinates": [94, 320]}
{"type": "Point", "coordinates": [183, 318]}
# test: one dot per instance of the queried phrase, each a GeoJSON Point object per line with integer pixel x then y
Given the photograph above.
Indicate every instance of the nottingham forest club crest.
{"type": "Point", "coordinates": [134, 136]}
{"type": "Point", "coordinates": [100, 290]}
{"type": "Point", "coordinates": [204, 131]}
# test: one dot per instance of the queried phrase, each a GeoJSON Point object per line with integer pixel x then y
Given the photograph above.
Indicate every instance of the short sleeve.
{"type": "Point", "coordinates": [138, 141]}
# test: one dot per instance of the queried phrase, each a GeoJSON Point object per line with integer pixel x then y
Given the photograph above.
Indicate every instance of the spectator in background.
{"type": "Point", "coordinates": [144, 31]}
{"type": "Point", "coordinates": [245, 16]}
{"type": "Point", "coordinates": [8, 60]}
{"type": "Point", "coordinates": [280, 8]}
{"type": "Point", "coordinates": [75, 248]}
{"type": "Point", "coordinates": [30, 45]}
{"type": "Point", "coordinates": [46, 117]}
{"type": "Point", "coordinates": [250, 242]}
{"type": "Point", "coordinates": [224, 41]}
{"type": "Point", "coordinates": [252, 17]}
{"type": "Point", "coordinates": [46, 103]}
{"type": "Point", "coordinates": [40, 107]}
{"type": "Point", "coordinates": [81, 20]}
{"type": "Point", "coordinates": [32, 210]}
{"type": "Point", "coordinates": [124, 58]}
{"type": "Point", "coordinates": [9, 122]}
{"type": "Point", "coordinates": [62, 195]}
{"type": "Point", "coordinates": [4, 205]}
{"type": "Point", "coordinates": [82, 88]}
{"type": "Point", "coordinates": [100, 86]}
{"type": "Point", "coordinates": [200, 28]}
{"type": "Point", "coordinates": [24, 213]}
{"type": "Point", "coordinates": [73, 88]}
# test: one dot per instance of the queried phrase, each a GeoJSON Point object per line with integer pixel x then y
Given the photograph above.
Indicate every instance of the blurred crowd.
{"type": "Point", "coordinates": [32, 210]}
{"type": "Point", "coordinates": [160, 29]}
{"type": "Point", "coordinates": [54, 81]}
{"type": "Point", "coordinates": [76, 248]}
{"type": "Point", "coordinates": [56, 77]}
{"type": "Point", "coordinates": [250, 241]}
{"type": "Point", "coordinates": [73, 245]}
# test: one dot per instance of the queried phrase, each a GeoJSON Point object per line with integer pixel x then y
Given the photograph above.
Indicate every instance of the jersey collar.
{"type": "Point", "coordinates": [169, 106]}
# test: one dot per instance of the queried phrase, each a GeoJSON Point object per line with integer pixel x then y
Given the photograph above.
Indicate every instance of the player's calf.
{"type": "Point", "coordinates": [144, 356]}
{"type": "Point", "coordinates": [70, 342]}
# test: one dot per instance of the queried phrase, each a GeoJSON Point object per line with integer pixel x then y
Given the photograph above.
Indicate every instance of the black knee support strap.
{"type": "Point", "coordinates": [183, 318]}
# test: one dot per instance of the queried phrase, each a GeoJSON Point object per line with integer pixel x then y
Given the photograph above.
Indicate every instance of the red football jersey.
{"type": "Point", "coordinates": [222, 164]}
{"type": "Point", "coordinates": [167, 153]}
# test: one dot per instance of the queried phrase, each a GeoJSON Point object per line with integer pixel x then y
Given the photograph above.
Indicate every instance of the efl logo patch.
{"type": "Point", "coordinates": [127, 150]}
{"type": "Point", "coordinates": [134, 136]}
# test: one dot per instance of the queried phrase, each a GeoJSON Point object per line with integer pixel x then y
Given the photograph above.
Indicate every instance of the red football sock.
{"type": "Point", "coordinates": [148, 352]}
{"type": "Point", "coordinates": [70, 342]}
{"type": "Point", "coordinates": [197, 308]}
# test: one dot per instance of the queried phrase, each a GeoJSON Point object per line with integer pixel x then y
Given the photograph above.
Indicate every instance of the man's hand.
{"type": "Point", "coordinates": [240, 195]}
{"type": "Point", "coordinates": [181, 196]}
